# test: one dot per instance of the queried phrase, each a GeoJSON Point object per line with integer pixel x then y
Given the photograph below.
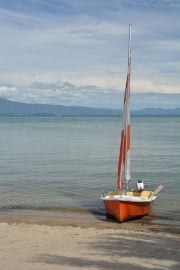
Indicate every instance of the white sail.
{"type": "Point", "coordinates": [124, 174]}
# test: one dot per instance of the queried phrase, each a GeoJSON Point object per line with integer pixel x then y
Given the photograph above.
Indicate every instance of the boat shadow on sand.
{"type": "Point", "coordinates": [152, 223]}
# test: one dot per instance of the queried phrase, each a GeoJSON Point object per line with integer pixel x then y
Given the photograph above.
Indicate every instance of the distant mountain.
{"type": "Point", "coordinates": [157, 111]}
{"type": "Point", "coordinates": [8, 107]}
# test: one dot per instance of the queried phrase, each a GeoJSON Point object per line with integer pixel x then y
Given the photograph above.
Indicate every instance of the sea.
{"type": "Point", "coordinates": [54, 163]}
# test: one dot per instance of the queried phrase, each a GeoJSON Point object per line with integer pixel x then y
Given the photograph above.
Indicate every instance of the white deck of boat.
{"type": "Point", "coordinates": [127, 198]}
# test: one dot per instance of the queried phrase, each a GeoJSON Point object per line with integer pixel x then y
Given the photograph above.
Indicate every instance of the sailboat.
{"type": "Point", "coordinates": [122, 203]}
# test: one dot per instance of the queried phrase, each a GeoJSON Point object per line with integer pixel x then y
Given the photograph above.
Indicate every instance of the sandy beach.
{"type": "Point", "coordinates": [33, 242]}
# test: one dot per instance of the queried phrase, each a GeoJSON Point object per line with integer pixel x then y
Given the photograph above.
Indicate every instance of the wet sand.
{"type": "Point", "coordinates": [67, 241]}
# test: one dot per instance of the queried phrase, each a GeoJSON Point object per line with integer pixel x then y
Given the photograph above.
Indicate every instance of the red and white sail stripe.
{"type": "Point", "coordinates": [124, 155]}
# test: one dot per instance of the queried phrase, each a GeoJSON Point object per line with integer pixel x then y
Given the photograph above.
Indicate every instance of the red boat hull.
{"type": "Point", "coordinates": [125, 210]}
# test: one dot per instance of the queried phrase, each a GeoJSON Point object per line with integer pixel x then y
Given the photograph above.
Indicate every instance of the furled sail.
{"type": "Point", "coordinates": [124, 155]}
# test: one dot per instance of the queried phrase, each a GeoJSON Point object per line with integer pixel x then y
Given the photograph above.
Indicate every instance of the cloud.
{"type": "Point", "coordinates": [66, 93]}
{"type": "Point", "coordinates": [53, 93]}
{"type": "Point", "coordinates": [85, 43]}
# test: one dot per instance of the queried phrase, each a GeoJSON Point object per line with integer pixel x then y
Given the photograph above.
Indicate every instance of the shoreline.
{"type": "Point", "coordinates": [86, 219]}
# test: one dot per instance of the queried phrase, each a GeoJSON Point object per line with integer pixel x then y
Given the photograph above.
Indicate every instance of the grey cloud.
{"type": "Point", "coordinates": [53, 93]}
{"type": "Point", "coordinates": [66, 93]}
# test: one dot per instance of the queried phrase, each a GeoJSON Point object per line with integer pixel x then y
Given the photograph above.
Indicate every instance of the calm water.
{"type": "Point", "coordinates": [68, 162]}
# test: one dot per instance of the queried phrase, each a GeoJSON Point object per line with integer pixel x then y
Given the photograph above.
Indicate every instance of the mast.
{"type": "Point", "coordinates": [124, 155]}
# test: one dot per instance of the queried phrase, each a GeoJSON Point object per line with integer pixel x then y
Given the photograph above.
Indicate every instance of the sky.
{"type": "Point", "coordinates": [74, 52]}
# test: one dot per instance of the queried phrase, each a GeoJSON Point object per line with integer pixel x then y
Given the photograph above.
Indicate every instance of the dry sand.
{"type": "Point", "coordinates": [27, 243]}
